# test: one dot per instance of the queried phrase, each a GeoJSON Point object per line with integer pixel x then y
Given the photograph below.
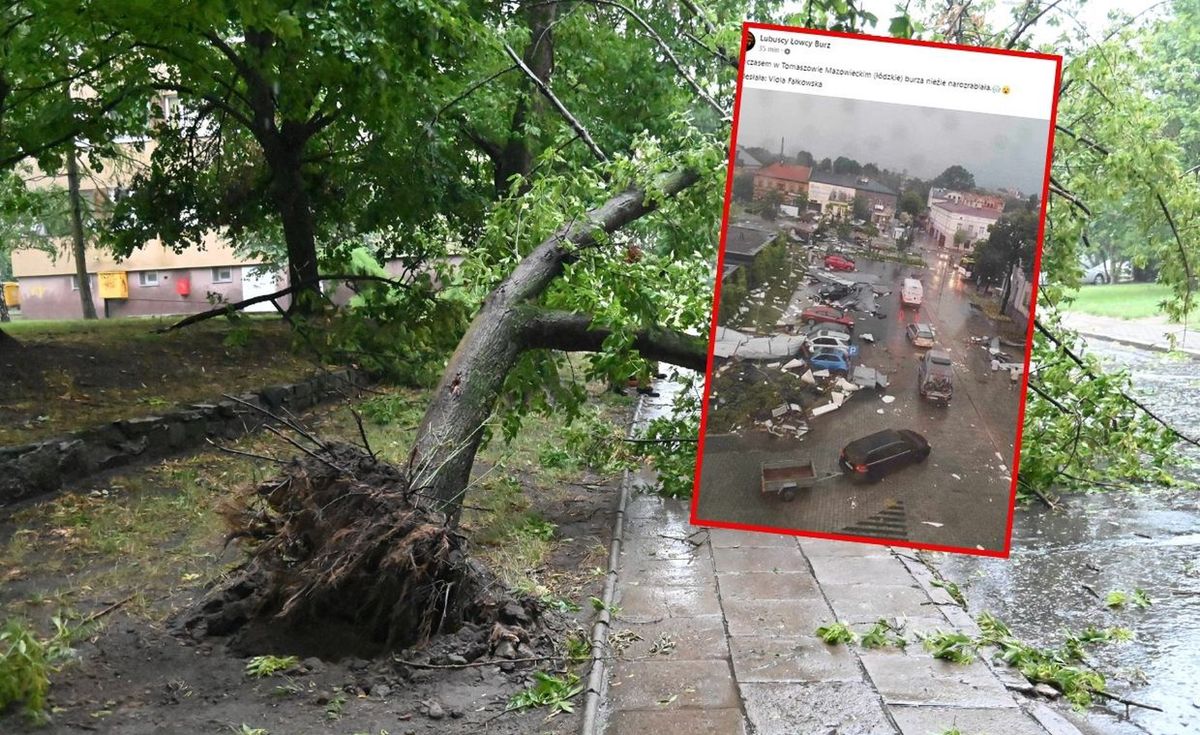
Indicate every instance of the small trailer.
{"type": "Point", "coordinates": [786, 478]}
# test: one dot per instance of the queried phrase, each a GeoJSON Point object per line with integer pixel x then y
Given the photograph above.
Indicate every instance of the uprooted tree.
{"type": "Point", "coordinates": [548, 270]}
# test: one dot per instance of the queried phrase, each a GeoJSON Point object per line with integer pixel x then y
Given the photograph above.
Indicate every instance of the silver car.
{"type": "Point", "coordinates": [920, 334]}
{"type": "Point", "coordinates": [828, 338]}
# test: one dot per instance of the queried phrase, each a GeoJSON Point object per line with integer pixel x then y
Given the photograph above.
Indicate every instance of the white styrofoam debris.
{"type": "Point", "coordinates": [888, 399]}
{"type": "Point", "coordinates": [933, 523]}
{"type": "Point", "coordinates": [822, 410]}
{"type": "Point", "coordinates": [956, 477]}
{"type": "Point", "coordinates": [867, 337]}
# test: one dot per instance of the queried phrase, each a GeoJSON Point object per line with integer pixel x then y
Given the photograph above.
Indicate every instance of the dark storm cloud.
{"type": "Point", "coordinates": [1001, 151]}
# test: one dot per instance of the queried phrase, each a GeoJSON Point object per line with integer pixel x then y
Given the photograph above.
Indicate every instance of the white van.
{"type": "Point", "coordinates": [911, 293]}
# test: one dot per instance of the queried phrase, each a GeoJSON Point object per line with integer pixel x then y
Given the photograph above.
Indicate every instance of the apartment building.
{"type": "Point", "coordinates": [153, 280]}
{"type": "Point", "coordinates": [960, 227]}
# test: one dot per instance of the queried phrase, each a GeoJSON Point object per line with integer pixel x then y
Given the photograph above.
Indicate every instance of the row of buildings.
{"type": "Point", "coordinates": [155, 279]}
{"type": "Point", "coordinates": [821, 192]}
{"type": "Point", "coordinates": [956, 220]}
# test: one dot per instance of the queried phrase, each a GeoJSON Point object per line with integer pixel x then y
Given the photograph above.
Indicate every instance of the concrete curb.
{"type": "Point", "coordinates": [598, 676]}
{"type": "Point", "coordinates": [43, 467]}
{"type": "Point", "coordinates": [924, 575]}
{"type": "Point", "coordinates": [1141, 345]}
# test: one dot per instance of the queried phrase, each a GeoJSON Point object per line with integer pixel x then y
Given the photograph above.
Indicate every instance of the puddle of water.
{"type": "Point", "coordinates": [1116, 541]}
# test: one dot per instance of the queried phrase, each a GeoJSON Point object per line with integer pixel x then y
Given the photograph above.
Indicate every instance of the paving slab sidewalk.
{"type": "Point", "coordinates": [1150, 333]}
{"type": "Point", "coordinates": [716, 634]}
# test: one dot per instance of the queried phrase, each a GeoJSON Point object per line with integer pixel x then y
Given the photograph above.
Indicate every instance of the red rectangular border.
{"type": "Point", "coordinates": [1037, 267]}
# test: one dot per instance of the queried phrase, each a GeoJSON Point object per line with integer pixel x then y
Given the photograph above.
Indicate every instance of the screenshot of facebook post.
{"type": "Point", "coordinates": [876, 285]}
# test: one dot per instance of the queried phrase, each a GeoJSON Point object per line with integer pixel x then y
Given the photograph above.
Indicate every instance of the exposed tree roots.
{"type": "Point", "coordinates": [342, 561]}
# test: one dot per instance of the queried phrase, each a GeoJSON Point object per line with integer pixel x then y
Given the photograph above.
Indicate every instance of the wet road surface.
{"type": "Point", "coordinates": [959, 497]}
{"type": "Point", "coordinates": [1114, 541]}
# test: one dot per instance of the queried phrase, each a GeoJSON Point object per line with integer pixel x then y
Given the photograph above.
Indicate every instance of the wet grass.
{"type": "Point", "coordinates": [1121, 300]}
{"type": "Point", "coordinates": [76, 374]}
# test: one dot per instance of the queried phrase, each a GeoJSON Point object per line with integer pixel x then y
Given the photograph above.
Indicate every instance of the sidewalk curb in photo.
{"type": "Point", "coordinates": [924, 575]}
{"type": "Point", "coordinates": [599, 638]}
{"type": "Point", "coordinates": [1141, 345]}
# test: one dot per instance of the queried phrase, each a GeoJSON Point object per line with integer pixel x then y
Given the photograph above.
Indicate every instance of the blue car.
{"type": "Point", "coordinates": [829, 359]}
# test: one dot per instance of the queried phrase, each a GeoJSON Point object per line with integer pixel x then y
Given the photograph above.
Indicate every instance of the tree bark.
{"type": "Point", "coordinates": [572, 332]}
{"type": "Point", "coordinates": [78, 243]}
{"type": "Point", "coordinates": [515, 157]}
{"type": "Point", "coordinates": [293, 203]}
{"type": "Point", "coordinates": [450, 432]}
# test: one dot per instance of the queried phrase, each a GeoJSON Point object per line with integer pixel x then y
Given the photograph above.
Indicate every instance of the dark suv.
{"type": "Point", "coordinates": [872, 457]}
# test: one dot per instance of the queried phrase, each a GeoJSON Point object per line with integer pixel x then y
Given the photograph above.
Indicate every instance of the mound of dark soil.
{"type": "Point", "coordinates": [345, 560]}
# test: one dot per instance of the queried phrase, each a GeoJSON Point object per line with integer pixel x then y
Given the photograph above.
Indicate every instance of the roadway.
{"type": "Point", "coordinates": [958, 497]}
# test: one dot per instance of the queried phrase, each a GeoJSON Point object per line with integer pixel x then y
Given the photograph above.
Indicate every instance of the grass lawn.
{"type": "Point", "coordinates": [73, 374]}
{"type": "Point", "coordinates": [1121, 300]}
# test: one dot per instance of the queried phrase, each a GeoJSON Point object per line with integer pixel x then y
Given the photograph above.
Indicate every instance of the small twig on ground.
{"type": "Point", "coordinates": [101, 613]}
{"type": "Point", "coordinates": [475, 664]}
{"type": "Point", "coordinates": [230, 450]}
{"type": "Point", "coordinates": [1127, 702]}
{"type": "Point", "coordinates": [1092, 591]}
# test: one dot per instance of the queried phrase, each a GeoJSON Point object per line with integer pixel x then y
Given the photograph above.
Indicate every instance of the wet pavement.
{"type": "Point", "coordinates": [960, 497]}
{"type": "Point", "coordinates": [1114, 541]}
{"type": "Point", "coordinates": [716, 633]}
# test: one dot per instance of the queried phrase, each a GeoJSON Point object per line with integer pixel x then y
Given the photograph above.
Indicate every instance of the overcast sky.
{"type": "Point", "coordinates": [1000, 151]}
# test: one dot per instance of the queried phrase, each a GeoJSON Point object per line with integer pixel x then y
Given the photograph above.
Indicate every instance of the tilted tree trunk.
{"type": "Point", "coordinates": [508, 324]}
{"type": "Point", "coordinates": [78, 242]}
{"type": "Point", "coordinates": [291, 198]}
{"type": "Point", "coordinates": [515, 157]}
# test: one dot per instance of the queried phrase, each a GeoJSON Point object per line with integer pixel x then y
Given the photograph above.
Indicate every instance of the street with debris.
{"type": "Point", "coordinates": [958, 497]}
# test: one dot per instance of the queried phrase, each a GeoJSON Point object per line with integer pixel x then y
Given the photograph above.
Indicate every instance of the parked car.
{"type": "Point", "coordinates": [1102, 272]}
{"type": "Point", "coordinates": [815, 329]}
{"type": "Point", "coordinates": [828, 345]}
{"type": "Point", "coordinates": [935, 378]}
{"type": "Point", "coordinates": [872, 457]}
{"type": "Point", "coordinates": [816, 314]}
{"type": "Point", "coordinates": [920, 334]}
{"type": "Point", "coordinates": [911, 293]}
{"type": "Point", "coordinates": [829, 358]}
{"type": "Point", "coordinates": [834, 291]}
{"type": "Point", "coordinates": [838, 263]}
{"type": "Point", "coordinates": [827, 337]}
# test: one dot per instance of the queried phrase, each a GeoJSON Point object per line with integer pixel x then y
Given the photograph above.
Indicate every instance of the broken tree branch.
{"type": "Point", "coordinates": [558, 105]}
{"type": "Point", "coordinates": [671, 58]}
{"type": "Point", "coordinates": [574, 332]}
{"type": "Point", "coordinates": [240, 305]}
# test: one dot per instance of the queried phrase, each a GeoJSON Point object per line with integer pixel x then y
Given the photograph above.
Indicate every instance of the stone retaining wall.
{"type": "Point", "coordinates": [45, 466]}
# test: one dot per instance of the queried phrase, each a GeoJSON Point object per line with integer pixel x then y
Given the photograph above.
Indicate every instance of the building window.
{"type": "Point", "coordinates": [75, 283]}
{"type": "Point", "coordinates": [147, 278]}
{"type": "Point", "coordinates": [222, 275]}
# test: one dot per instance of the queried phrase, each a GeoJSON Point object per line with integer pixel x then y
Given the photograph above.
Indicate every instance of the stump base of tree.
{"type": "Point", "coordinates": [344, 562]}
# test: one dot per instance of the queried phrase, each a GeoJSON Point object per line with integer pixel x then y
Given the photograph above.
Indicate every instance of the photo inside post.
{"type": "Point", "coordinates": [877, 278]}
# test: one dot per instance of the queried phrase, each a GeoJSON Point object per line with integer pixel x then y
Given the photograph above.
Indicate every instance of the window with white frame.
{"type": "Point", "coordinates": [147, 278]}
{"type": "Point", "coordinates": [222, 275]}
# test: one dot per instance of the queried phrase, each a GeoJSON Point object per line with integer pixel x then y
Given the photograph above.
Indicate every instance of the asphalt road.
{"type": "Point", "coordinates": [958, 497]}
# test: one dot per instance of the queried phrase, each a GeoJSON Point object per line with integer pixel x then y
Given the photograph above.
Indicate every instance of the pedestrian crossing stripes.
{"type": "Point", "coordinates": [891, 522]}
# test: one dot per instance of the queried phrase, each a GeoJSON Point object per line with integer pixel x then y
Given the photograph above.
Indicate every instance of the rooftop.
{"type": "Point", "coordinates": [747, 240]}
{"type": "Point", "coordinates": [982, 212]}
{"type": "Point", "coordinates": [786, 172]}
{"type": "Point", "coordinates": [852, 181]}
